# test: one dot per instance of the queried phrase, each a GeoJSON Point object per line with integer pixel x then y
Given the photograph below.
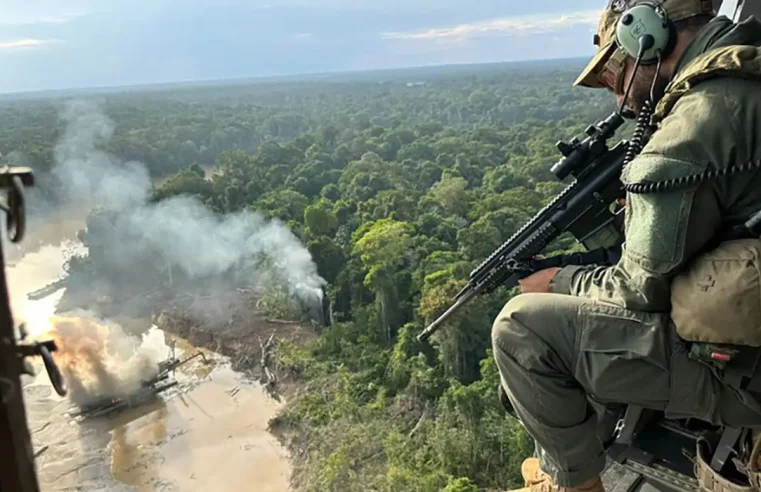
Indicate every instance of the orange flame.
{"type": "Point", "coordinates": [98, 360]}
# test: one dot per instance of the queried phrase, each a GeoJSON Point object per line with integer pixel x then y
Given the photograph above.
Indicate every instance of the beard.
{"type": "Point", "coordinates": [640, 91]}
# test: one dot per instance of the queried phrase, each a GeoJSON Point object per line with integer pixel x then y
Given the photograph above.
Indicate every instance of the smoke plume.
{"type": "Point", "coordinates": [85, 175]}
{"type": "Point", "coordinates": [98, 360]}
{"type": "Point", "coordinates": [133, 240]}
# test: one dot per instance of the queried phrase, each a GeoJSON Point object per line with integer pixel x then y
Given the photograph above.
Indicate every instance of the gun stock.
{"type": "Point", "coordinates": [582, 208]}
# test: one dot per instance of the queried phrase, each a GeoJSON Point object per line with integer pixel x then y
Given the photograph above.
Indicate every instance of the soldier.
{"type": "Point", "coordinates": [622, 334]}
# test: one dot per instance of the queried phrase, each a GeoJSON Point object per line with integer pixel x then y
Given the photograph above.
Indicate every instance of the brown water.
{"type": "Point", "coordinates": [61, 225]}
{"type": "Point", "coordinates": [207, 434]}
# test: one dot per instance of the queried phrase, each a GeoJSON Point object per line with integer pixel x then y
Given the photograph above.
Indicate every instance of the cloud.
{"type": "Point", "coordinates": [157, 41]}
{"type": "Point", "coordinates": [26, 43]}
{"type": "Point", "coordinates": [42, 12]}
{"type": "Point", "coordinates": [45, 19]}
{"type": "Point", "coordinates": [504, 26]}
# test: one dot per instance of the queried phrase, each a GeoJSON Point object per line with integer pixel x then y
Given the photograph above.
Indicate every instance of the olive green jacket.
{"type": "Point", "coordinates": [710, 123]}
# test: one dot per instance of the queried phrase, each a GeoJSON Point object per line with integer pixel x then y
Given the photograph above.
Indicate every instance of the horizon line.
{"type": "Point", "coordinates": [242, 79]}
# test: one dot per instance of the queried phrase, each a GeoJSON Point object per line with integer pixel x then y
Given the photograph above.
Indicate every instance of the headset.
{"type": "Point", "coordinates": [645, 33]}
{"type": "Point", "coordinates": [645, 26]}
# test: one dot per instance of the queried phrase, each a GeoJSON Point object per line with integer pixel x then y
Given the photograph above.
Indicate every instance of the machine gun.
{"type": "Point", "coordinates": [17, 466]}
{"type": "Point", "coordinates": [583, 209]}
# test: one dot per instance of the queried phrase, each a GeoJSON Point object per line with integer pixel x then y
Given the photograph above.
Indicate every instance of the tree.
{"type": "Point", "coordinates": [480, 239]}
{"type": "Point", "coordinates": [328, 256]}
{"type": "Point", "coordinates": [186, 182]}
{"type": "Point", "coordinates": [451, 194]}
{"type": "Point", "coordinates": [283, 204]}
{"type": "Point", "coordinates": [320, 219]}
{"type": "Point", "coordinates": [382, 246]}
{"type": "Point", "coordinates": [463, 339]}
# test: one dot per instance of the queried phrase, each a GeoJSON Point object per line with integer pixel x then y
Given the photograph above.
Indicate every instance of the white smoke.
{"type": "Point", "coordinates": [86, 175]}
{"type": "Point", "coordinates": [183, 230]}
{"type": "Point", "coordinates": [99, 360]}
{"type": "Point", "coordinates": [215, 244]}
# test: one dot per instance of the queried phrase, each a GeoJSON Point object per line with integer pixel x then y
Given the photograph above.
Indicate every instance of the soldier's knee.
{"type": "Point", "coordinates": [506, 329]}
{"type": "Point", "coordinates": [536, 329]}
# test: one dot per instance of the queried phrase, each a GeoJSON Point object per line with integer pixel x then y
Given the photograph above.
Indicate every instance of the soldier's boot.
{"type": "Point", "coordinates": [538, 481]}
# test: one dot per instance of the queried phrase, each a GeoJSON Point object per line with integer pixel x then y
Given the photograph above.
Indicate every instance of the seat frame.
{"type": "Point", "coordinates": [648, 453]}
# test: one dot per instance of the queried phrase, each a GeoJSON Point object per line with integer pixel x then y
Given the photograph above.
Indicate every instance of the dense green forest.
{"type": "Point", "coordinates": [398, 184]}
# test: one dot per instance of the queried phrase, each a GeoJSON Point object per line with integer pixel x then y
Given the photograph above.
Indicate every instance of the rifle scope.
{"type": "Point", "coordinates": [576, 153]}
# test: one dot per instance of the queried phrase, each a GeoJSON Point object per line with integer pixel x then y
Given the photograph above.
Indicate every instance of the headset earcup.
{"type": "Point", "coordinates": [639, 20]}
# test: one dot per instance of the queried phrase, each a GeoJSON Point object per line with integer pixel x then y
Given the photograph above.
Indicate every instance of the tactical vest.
{"type": "Point", "coordinates": [729, 312]}
{"type": "Point", "coordinates": [738, 61]}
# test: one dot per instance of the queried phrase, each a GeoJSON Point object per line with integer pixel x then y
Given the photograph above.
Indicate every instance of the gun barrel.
{"type": "Point", "coordinates": [434, 327]}
{"type": "Point", "coordinates": [582, 208]}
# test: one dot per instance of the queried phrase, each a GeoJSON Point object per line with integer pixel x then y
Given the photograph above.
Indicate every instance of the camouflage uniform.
{"type": "Point", "coordinates": [607, 331]}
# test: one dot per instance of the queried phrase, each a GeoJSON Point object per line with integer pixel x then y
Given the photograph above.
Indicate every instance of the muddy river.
{"type": "Point", "coordinates": [207, 433]}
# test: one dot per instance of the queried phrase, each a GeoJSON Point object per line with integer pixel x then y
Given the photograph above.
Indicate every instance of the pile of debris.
{"type": "Point", "coordinates": [234, 326]}
{"type": "Point", "coordinates": [47, 290]}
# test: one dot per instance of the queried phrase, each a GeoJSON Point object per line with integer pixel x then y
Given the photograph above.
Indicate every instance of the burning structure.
{"type": "Point", "coordinates": [145, 253]}
{"type": "Point", "coordinates": [145, 393]}
{"type": "Point", "coordinates": [108, 370]}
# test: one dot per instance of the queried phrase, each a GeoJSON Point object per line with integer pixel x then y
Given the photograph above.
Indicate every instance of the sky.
{"type": "Point", "coordinates": [60, 44]}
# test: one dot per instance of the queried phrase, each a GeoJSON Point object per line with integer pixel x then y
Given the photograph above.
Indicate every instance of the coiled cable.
{"type": "Point", "coordinates": [643, 120]}
{"type": "Point", "coordinates": [636, 143]}
{"type": "Point", "coordinates": [690, 180]}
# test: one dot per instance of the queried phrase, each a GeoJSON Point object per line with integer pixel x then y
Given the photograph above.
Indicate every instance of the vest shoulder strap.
{"type": "Point", "coordinates": [739, 61]}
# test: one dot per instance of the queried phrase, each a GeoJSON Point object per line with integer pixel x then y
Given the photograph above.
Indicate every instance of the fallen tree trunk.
{"type": "Point", "coordinates": [423, 417]}
{"type": "Point", "coordinates": [267, 378]}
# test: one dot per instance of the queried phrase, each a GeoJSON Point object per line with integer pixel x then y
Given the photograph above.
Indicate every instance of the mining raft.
{"type": "Point", "coordinates": [146, 393]}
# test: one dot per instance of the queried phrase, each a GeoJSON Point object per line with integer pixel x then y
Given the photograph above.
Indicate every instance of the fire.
{"type": "Point", "coordinates": [99, 361]}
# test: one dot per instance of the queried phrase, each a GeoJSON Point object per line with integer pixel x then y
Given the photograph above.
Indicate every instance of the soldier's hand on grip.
{"type": "Point", "coordinates": [539, 281]}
